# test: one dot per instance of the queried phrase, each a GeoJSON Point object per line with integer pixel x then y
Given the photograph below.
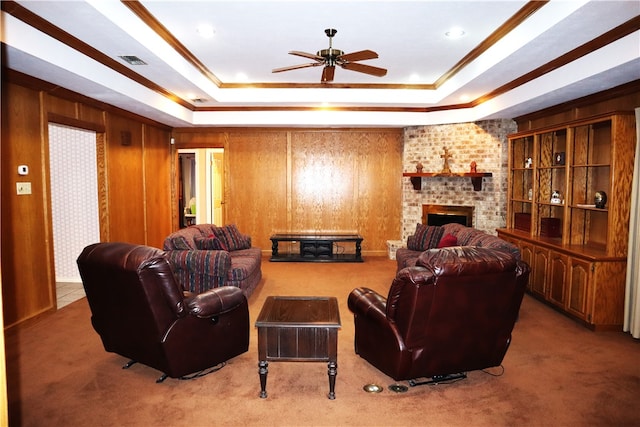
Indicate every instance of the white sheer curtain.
{"type": "Point", "coordinates": [632, 294]}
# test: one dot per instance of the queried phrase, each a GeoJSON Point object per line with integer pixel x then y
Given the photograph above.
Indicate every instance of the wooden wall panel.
{"type": "Point", "coordinates": [340, 180]}
{"type": "Point", "coordinates": [135, 182]}
{"type": "Point", "coordinates": [199, 138]}
{"type": "Point", "coordinates": [125, 185]}
{"type": "Point", "coordinates": [90, 114]}
{"type": "Point", "coordinates": [61, 106]}
{"type": "Point", "coordinates": [348, 181]}
{"type": "Point", "coordinates": [256, 184]}
{"type": "Point", "coordinates": [323, 181]}
{"type": "Point", "coordinates": [625, 97]}
{"type": "Point", "coordinates": [26, 269]}
{"type": "Point", "coordinates": [379, 197]}
{"type": "Point", "coordinates": [157, 185]}
{"type": "Point", "coordinates": [624, 149]}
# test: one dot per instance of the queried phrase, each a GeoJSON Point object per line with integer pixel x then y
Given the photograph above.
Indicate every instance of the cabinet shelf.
{"type": "Point", "coordinates": [476, 178]}
{"type": "Point", "coordinates": [592, 165]}
{"type": "Point", "coordinates": [560, 205]}
{"type": "Point", "coordinates": [589, 208]}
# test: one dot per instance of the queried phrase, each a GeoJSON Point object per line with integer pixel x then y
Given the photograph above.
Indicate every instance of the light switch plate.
{"type": "Point", "coordinates": [23, 188]}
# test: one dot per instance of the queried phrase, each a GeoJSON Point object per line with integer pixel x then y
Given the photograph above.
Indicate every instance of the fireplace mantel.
{"type": "Point", "coordinates": [476, 178]}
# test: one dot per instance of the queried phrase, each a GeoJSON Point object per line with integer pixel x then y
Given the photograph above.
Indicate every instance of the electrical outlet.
{"type": "Point", "coordinates": [23, 188]}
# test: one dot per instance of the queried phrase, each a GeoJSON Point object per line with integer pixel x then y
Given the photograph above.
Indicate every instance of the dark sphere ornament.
{"type": "Point", "coordinates": [600, 199]}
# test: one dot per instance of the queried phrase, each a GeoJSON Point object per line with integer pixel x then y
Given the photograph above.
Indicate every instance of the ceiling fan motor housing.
{"type": "Point", "coordinates": [330, 55]}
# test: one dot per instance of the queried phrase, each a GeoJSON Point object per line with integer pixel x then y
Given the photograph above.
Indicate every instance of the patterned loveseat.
{"type": "Point", "coordinates": [453, 234]}
{"type": "Point", "coordinates": [205, 256]}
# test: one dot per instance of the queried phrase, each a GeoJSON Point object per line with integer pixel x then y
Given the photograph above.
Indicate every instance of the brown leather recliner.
{"type": "Point", "coordinates": [451, 313]}
{"type": "Point", "coordinates": [140, 312]}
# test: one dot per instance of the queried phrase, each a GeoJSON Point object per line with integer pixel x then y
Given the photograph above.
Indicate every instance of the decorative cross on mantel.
{"type": "Point", "coordinates": [446, 156]}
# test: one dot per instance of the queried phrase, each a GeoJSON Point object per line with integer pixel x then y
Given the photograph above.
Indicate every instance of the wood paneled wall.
{"type": "Point", "coordinates": [134, 188]}
{"type": "Point", "coordinates": [625, 97]}
{"type": "Point", "coordinates": [311, 180]}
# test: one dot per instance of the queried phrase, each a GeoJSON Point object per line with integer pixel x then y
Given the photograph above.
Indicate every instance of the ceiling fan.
{"type": "Point", "coordinates": [331, 57]}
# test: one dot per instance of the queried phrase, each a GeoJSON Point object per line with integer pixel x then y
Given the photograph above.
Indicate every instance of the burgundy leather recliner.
{"type": "Point", "coordinates": [140, 312]}
{"type": "Point", "coordinates": [452, 313]}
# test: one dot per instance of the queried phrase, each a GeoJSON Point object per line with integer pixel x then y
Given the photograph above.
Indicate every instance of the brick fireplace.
{"type": "Point", "coordinates": [482, 142]}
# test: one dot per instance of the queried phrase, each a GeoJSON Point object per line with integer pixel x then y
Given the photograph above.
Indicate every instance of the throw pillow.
{"type": "Point", "coordinates": [231, 237]}
{"type": "Point", "coordinates": [448, 240]}
{"type": "Point", "coordinates": [425, 237]}
{"type": "Point", "coordinates": [180, 243]}
{"type": "Point", "coordinates": [211, 243]}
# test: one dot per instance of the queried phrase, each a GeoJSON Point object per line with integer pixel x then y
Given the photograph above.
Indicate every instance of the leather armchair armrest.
{"type": "Point", "coordinates": [416, 274]}
{"type": "Point", "coordinates": [215, 301]}
{"type": "Point", "coordinates": [367, 302]}
{"type": "Point", "coordinates": [372, 324]}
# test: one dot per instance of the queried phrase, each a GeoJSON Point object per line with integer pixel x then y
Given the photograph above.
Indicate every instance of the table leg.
{"type": "Point", "coordinates": [358, 249]}
{"type": "Point", "coordinates": [274, 248]}
{"type": "Point", "coordinates": [333, 371]}
{"type": "Point", "coordinates": [263, 371]}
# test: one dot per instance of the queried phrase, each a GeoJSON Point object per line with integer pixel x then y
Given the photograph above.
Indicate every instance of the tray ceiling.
{"type": "Point", "coordinates": [515, 57]}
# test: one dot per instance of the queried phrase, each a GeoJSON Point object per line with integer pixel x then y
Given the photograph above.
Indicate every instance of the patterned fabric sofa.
{"type": "Point", "coordinates": [453, 234]}
{"type": "Point", "coordinates": [205, 256]}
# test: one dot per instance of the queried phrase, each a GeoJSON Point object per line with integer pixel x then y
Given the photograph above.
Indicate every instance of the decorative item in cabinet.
{"type": "Point", "coordinates": [550, 227]}
{"type": "Point", "coordinates": [522, 221]}
{"type": "Point", "coordinates": [600, 199]}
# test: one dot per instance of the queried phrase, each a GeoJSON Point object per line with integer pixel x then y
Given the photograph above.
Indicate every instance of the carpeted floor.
{"type": "Point", "coordinates": [556, 373]}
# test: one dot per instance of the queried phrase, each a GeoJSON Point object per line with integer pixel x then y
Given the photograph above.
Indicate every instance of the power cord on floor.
{"type": "Point", "coordinates": [204, 372]}
{"type": "Point", "coordinates": [492, 374]}
{"type": "Point", "coordinates": [192, 376]}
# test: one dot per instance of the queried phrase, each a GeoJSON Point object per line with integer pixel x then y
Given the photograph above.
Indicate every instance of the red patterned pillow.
{"type": "Point", "coordinates": [211, 243]}
{"type": "Point", "coordinates": [448, 240]}
{"type": "Point", "coordinates": [425, 237]}
{"type": "Point", "coordinates": [231, 237]}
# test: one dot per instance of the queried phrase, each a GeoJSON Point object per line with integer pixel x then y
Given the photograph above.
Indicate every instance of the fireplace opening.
{"type": "Point", "coordinates": [445, 214]}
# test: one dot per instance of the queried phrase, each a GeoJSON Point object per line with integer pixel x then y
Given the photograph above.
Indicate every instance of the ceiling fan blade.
{"type": "Point", "coordinates": [358, 56]}
{"type": "Point", "coordinates": [327, 74]}
{"type": "Point", "coordinates": [307, 55]}
{"type": "Point", "coordinates": [295, 67]}
{"type": "Point", "coordinates": [362, 68]}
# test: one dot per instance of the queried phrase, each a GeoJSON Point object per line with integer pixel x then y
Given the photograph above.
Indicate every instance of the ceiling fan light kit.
{"type": "Point", "coordinates": [330, 58]}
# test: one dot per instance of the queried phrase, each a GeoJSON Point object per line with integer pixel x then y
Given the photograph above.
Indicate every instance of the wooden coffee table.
{"type": "Point", "coordinates": [303, 329]}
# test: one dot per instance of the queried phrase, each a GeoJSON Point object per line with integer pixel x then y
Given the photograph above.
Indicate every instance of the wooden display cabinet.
{"type": "Point", "coordinates": [577, 251]}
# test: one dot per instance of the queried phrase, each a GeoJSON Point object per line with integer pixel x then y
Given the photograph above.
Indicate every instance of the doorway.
{"type": "Point", "coordinates": [201, 194]}
{"type": "Point", "coordinates": [74, 204]}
